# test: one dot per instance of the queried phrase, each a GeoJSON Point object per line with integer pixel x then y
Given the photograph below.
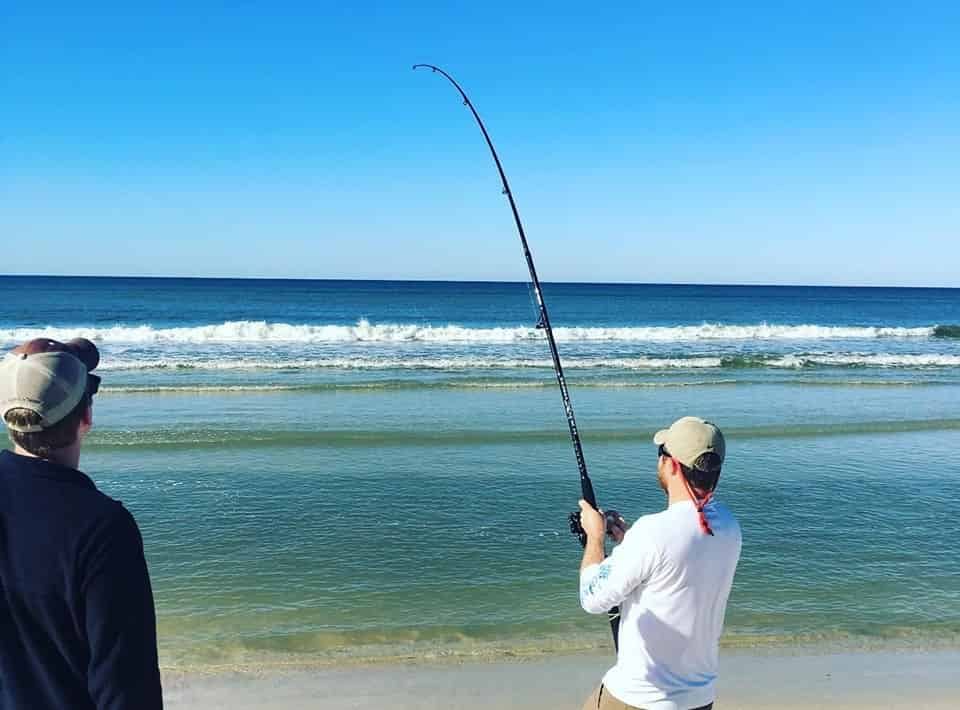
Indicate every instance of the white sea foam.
{"type": "Point", "coordinates": [491, 363]}
{"type": "Point", "coordinates": [387, 363]}
{"type": "Point", "coordinates": [254, 332]}
{"type": "Point", "coordinates": [866, 360]}
{"type": "Point", "coordinates": [401, 384]}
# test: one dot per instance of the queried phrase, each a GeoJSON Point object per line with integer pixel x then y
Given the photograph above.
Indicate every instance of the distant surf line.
{"type": "Point", "coordinates": [472, 362]}
{"type": "Point", "coordinates": [401, 385]}
{"type": "Point", "coordinates": [366, 332]}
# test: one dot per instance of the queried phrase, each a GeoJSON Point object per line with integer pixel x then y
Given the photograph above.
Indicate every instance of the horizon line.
{"type": "Point", "coordinates": [349, 279]}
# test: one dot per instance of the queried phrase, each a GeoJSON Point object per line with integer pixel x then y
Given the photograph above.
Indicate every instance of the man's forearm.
{"type": "Point", "coordinates": [593, 553]}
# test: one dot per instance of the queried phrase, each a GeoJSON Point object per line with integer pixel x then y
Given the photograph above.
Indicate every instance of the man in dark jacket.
{"type": "Point", "coordinates": [77, 621]}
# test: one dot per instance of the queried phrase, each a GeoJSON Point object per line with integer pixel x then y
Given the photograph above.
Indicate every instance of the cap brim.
{"type": "Point", "coordinates": [660, 438]}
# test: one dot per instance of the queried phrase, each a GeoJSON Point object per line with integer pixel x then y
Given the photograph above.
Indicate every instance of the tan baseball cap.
{"type": "Point", "coordinates": [688, 438]}
{"type": "Point", "coordinates": [46, 377]}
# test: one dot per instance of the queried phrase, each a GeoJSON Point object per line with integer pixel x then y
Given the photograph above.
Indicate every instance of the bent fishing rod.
{"type": "Point", "coordinates": [586, 485]}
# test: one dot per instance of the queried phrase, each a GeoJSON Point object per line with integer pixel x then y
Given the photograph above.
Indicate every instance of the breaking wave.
{"type": "Point", "coordinates": [841, 360]}
{"type": "Point", "coordinates": [254, 332]}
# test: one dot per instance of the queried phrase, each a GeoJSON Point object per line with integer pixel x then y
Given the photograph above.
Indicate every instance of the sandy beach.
{"type": "Point", "coordinates": [749, 681]}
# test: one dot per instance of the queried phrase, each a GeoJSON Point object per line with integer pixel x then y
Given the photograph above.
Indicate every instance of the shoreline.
{"type": "Point", "coordinates": [748, 680]}
{"type": "Point", "coordinates": [594, 646]}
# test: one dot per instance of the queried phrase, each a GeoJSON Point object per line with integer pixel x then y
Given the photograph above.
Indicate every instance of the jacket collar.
{"type": "Point", "coordinates": [44, 469]}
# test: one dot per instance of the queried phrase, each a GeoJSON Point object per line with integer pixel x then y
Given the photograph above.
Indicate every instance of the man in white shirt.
{"type": "Point", "coordinates": [671, 575]}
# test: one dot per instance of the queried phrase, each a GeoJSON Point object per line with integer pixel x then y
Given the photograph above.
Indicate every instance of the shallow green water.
{"type": "Point", "coordinates": [322, 527]}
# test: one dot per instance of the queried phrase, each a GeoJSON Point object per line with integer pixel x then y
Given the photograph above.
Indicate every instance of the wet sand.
{"type": "Point", "coordinates": [909, 680]}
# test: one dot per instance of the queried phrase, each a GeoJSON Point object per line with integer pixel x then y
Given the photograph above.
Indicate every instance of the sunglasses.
{"type": "Point", "coordinates": [662, 451]}
{"type": "Point", "coordinates": [93, 385]}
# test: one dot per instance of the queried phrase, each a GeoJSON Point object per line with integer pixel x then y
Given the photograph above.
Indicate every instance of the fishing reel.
{"type": "Point", "coordinates": [613, 520]}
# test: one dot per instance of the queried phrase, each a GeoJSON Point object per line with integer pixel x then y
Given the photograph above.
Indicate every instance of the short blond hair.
{"type": "Point", "coordinates": [43, 443]}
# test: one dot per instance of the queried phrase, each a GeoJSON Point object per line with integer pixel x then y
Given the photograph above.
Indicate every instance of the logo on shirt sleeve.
{"type": "Point", "coordinates": [603, 572]}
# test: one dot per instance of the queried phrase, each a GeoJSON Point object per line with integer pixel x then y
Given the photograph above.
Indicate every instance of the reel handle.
{"type": "Point", "coordinates": [612, 518]}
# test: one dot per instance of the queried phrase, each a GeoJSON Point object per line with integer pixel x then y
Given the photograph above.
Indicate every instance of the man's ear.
{"type": "Point", "coordinates": [86, 421]}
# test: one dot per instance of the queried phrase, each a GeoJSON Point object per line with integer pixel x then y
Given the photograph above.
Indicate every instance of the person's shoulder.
{"type": "Point", "coordinates": [77, 496]}
{"type": "Point", "coordinates": [112, 534]}
{"type": "Point", "coordinates": [114, 516]}
{"type": "Point", "coordinates": [726, 519]}
{"type": "Point", "coordinates": [663, 518]}
{"type": "Point", "coordinates": [649, 526]}
{"type": "Point", "coordinates": [107, 518]}
{"type": "Point", "coordinates": [724, 510]}
{"type": "Point", "coordinates": [101, 508]}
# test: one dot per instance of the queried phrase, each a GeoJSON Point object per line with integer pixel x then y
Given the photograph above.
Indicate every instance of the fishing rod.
{"type": "Point", "coordinates": [586, 485]}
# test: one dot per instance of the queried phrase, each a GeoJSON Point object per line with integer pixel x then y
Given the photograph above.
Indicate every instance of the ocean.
{"type": "Point", "coordinates": [337, 471]}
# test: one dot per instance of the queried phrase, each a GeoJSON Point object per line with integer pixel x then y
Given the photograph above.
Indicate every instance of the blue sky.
{"type": "Point", "coordinates": [808, 143]}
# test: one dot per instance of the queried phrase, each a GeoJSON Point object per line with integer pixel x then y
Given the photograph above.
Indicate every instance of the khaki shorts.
{"type": "Point", "coordinates": [601, 699]}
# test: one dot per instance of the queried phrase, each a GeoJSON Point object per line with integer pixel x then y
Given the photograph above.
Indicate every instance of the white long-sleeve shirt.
{"type": "Point", "coordinates": [672, 582]}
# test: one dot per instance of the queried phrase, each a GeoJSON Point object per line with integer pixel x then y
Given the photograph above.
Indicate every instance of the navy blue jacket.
{"type": "Point", "coordinates": [77, 622]}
